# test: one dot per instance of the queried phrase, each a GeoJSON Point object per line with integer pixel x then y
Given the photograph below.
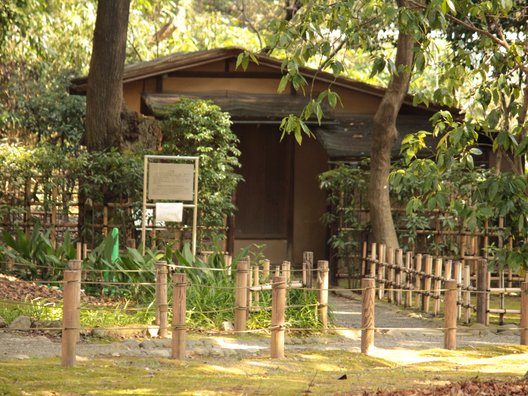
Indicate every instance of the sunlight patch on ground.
{"type": "Point", "coordinates": [349, 333]}
{"type": "Point", "coordinates": [346, 313]}
{"type": "Point", "coordinates": [403, 356]}
{"type": "Point", "coordinates": [220, 369]}
{"type": "Point", "coordinates": [229, 343]}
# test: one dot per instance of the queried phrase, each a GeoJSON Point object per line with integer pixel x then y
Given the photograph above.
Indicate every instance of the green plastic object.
{"type": "Point", "coordinates": [115, 250]}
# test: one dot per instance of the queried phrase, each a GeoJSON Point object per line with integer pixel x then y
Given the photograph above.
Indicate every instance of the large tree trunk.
{"type": "Point", "coordinates": [384, 136]}
{"type": "Point", "coordinates": [104, 94]}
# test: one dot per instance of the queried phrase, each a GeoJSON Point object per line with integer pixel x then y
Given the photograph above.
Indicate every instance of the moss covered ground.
{"type": "Point", "coordinates": [314, 373]}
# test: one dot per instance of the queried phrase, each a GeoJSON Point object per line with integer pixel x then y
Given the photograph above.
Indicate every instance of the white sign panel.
{"type": "Point", "coordinates": [170, 181]}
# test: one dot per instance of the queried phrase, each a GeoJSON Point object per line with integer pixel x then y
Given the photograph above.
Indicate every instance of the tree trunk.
{"type": "Point", "coordinates": [384, 136]}
{"type": "Point", "coordinates": [104, 94]}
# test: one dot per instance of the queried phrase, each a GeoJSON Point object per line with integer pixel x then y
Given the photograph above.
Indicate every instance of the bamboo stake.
{"type": "Point", "coordinates": [372, 260]}
{"type": "Point", "coordinates": [524, 313]}
{"type": "Point", "coordinates": [161, 298]}
{"type": "Point", "coordinates": [427, 283]}
{"type": "Point", "coordinates": [466, 282]}
{"type": "Point", "coordinates": [229, 264]}
{"type": "Point", "coordinates": [407, 279]}
{"type": "Point", "coordinates": [277, 270]}
{"type": "Point", "coordinates": [322, 267]}
{"type": "Point", "coordinates": [256, 282]}
{"type": "Point", "coordinates": [450, 315]}
{"type": "Point", "coordinates": [78, 251]}
{"type": "Point", "coordinates": [179, 307]}
{"type": "Point", "coordinates": [437, 286]}
{"type": "Point", "coordinates": [364, 259]}
{"type": "Point", "coordinates": [418, 278]}
{"type": "Point", "coordinates": [390, 284]}
{"type": "Point", "coordinates": [482, 286]}
{"type": "Point", "coordinates": [249, 291]}
{"type": "Point", "coordinates": [286, 270]}
{"type": "Point", "coordinates": [278, 316]}
{"type": "Point", "coordinates": [399, 268]}
{"type": "Point", "coordinates": [367, 315]}
{"type": "Point", "coordinates": [457, 275]}
{"type": "Point", "coordinates": [241, 296]}
{"type": "Point", "coordinates": [381, 271]}
{"type": "Point", "coordinates": [70, 316]}
{"type": "Point", "coordinates": [265, 270]}
{"type": "Point", "coordinates": [308, 258]}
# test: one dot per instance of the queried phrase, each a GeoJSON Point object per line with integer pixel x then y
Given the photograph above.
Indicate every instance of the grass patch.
{"type": "Point", "coordinates": [314, 372]}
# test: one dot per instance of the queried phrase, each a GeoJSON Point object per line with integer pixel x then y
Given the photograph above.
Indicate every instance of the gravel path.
{"type": "Point", "coordinates": [396, 331]}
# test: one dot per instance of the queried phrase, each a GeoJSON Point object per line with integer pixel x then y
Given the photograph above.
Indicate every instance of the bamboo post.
{"type": "Point", "coordinates": [241, 296]}
{"type": "Point", "coordinates": [391, 273]}
{"type": "Point", "coordinates": [53, 217]}
{"type": "Point", "coordinates": [437, 286]}
{"type": "Point", "coordinates": [418, 278]}
{"type": "Point", "coordinates": [286, 270]}
{"type": "Point", "coordinates": [161, 298]}
{"type": "Point", "coordinates": [179, 308]}
{"type": "Point", "coordinates": [265, 270]}
{"type": "Point", "coordinates": [85, 250]}
{"type": "Point", "coordinates": [304, 274]}
{"type": "Point", "coordinates": [256, 282]}
{"type": "Point", "coordinates": [78, 251]}
{"type": "Point", "coordinates": [364, 259]}
{"type": "Point", "coordinates": [249, 291]}
{"type": "Point", "coordinates": [228, 263]}
{"type": "Point", "coordinates": [105, 220]}
{"type": "Point", "coordinates": [482, 291]}
{"type": "Point", "coordinates": [457, 276]}
{"type": "Point", "coordinates": [372, 269]}
{"type": "Point", "coordinates": [399, 267]}
{"type": "Point", "coordinates": [450, 315]}
{"type": "Point", "coordinates": [524, 313]}
{"type": "Point", "coordinates": [277, 270]}
{"type": "Point", "coordinates": [381, 271]}
{"type": "Point", "coordinates": [427, 283]}
{"type": "Point", "coordinates": [278, 316]}
{"type": "Point", "coordinates": [322, 267]}
{"type": "Point", "coordinates": [466, 283]}
{"type": "Point", "coordinates": [407, 279]}
{"type": "Point", "coordinates": [308, 258]}
{"type": "Point", "coordinates": [367, 315]}
{"type": "Point", "coordinates": [70, 316]}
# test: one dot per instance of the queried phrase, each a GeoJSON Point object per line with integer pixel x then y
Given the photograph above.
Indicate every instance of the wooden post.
{"type": "Point", "coordinates": [381, 271]}
{"type": "Point", "coordinates": [524, 313]}
{"type": "Point", "coordinates": [372, 269]}
{"type": "Point", "coordinates": [399, 268]}
{"type": "Point", "coordinates": [308, 258]}
{"type": "Point", "coordinates": [70, 316]}
{"type": "Point", "coordinates": [427, 283]}
{"type": "Point", "coordinates": [161, 298]}
{"type": "Point", "coordinates": [391, 272]}
{"type": "Point", "coordinates": [437, 286]}
{"type": "Point", "coordinates": [241, 296]}
{"type": "Point", "coordinates": [265, 270]}
{"type": "Point", "coordinates": [418, 278]}
{"type": "Point", "coordinates": [450, 315]}
{"type": "Point", "coordinates": [304, 274]}
{"type": "Point", "coordinates": [367, 315]}
{"type": "Point", "coordinates": [53, 218]}
{"type": "Point", "coordinates": [278, 316]}
{"type": "Point", "coordinates": [179, 308]}
{"type": "Point", "coordinates": [482, 289]}
{"type": "Point", "coordinates": [277, 270]}
{"type": "Point", "coordinates": [322, 266]}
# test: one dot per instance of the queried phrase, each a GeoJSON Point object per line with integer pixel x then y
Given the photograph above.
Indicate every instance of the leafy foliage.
{"type": "Point", "coordinates": [200, 128]}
